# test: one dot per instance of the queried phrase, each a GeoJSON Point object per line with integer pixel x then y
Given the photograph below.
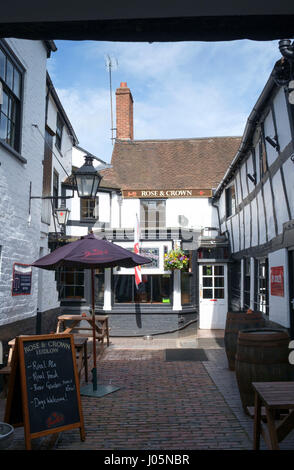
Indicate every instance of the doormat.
{"type": "Point", "coordinates": [185, 355]}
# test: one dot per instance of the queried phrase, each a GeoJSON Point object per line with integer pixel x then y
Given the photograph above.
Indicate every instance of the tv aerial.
{"type": "Point", "coordinates": [111, 64]}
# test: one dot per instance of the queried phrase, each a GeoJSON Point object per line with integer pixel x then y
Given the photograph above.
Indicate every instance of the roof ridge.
{"type": "Point", "coordinates": [178, 139]}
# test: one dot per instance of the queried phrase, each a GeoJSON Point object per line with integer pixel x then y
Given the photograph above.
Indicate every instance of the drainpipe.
{"type": "Point", "coordinates": [214, 203]}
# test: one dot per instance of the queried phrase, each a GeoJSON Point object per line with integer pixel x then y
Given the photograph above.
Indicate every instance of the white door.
{"type": "Point", "coordinates": [213, 296]}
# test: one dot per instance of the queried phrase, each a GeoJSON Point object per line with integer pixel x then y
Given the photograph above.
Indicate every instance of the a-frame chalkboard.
{"type": "Point", "coordinates": [44, 394]}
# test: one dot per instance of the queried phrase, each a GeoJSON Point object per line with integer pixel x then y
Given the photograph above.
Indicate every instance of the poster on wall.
{"type": "Point", "coordinates": [277, 281]}
{"type": "Point", "coordinates": [152, 253]}
{"type": "Point", "coordinates": [21, 279]}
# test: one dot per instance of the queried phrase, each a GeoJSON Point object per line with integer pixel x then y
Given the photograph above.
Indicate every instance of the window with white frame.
{"type": "Point", "coordinates": [89, 208]}
{"type": "Point", "coordinates": [261, 282]}
{"type": "Point", "coordinates": [11, 94]}
{"type": "Point", "coordinates": [213, 282]}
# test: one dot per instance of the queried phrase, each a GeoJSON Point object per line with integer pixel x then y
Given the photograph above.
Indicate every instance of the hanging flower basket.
{"type": "Point", "coordinates": [175, 259]}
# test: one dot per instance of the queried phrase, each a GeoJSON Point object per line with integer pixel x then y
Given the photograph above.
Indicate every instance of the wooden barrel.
{"type": "Point", "coordinates": [235, 322]}
{"type": "Point", "coordinates": [262, 356]}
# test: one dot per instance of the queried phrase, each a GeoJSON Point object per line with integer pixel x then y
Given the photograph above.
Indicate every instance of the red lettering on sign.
{"type": "Point", "coordinates": [95, 253]}
{"type": "Point", "coordinates": [54, 419]}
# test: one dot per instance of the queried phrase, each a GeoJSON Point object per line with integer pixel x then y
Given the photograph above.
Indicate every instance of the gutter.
{"type": "Point", "coordinates": [251, 123]}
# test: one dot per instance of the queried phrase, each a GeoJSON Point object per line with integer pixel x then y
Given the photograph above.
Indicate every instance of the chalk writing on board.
{"type": "Point", "coordinates": [50, 383]}
{"type": "Point", "coordinates": [44, 393]}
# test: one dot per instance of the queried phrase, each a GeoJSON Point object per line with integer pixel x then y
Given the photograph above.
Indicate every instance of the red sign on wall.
{"type": "Point", "coordinates": [277, 281]}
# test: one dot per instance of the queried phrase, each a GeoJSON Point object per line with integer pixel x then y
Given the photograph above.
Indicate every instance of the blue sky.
{"type": "Point", "coordinates": [180, 90]}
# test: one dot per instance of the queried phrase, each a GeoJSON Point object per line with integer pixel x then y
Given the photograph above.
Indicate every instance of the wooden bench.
{"type": "Point", "coordinates": [272, 397]}
{"type": "Point", "coordinates": [71, 323]}
{"type": "Point", "coordinates": [81, 358]}
{"type": "Point", "coordinates": [6, 370]}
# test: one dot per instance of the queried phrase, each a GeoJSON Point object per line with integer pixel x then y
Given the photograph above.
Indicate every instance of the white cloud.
{"type": "Point", "coordinates": [179, 89]}
{"type": "Point", "coordinates": [89, 113]}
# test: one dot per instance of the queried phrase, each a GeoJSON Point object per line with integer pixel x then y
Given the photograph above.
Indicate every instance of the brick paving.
{"type": "Point", "coordinates": [160, 405]}
{"type": "Point", "coordinates": [182, 405]}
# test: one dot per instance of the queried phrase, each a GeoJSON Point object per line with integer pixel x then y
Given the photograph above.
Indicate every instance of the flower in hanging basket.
{"type": "Point", "coordinates": [175, 259]}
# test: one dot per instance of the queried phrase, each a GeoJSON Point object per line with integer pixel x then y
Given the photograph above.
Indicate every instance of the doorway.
{"type": "Point", "coordinates": [213, 296]}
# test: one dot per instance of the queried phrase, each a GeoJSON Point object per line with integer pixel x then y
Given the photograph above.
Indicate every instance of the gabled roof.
{"type": "Point", "coordinates": [170, 164]}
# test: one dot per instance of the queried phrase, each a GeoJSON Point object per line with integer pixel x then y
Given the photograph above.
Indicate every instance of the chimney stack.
{"type": "Point", "coordinates": [124, 113]}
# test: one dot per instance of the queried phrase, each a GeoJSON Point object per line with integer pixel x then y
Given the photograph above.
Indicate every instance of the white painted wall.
{"type": "Point", "coordinates": [283, 125]}
{"type": "Point", "coordinates": [280, 201]}
{"type": "Point", "coordinates": [269, 210]}
{"type": "Point", "coordinates": [20, 241]}
{"type": "Point", "coordinates": [254, 240]}
{"type": "Point", "coordinates": [269, 131]}
{"type": "Point", "coordinates": [198, 213]}
{"type": "Point", "coordinates": [273, 199]}
{"type": "Point", "coordinates": [288, 169]}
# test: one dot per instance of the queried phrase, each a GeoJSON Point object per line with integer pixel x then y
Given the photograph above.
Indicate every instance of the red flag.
{"type": "Point", "coordinates": [138, 275]}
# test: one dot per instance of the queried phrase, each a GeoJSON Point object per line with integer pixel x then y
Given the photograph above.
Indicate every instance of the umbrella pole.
{"type": "Point", "coordinates": [94, 371]}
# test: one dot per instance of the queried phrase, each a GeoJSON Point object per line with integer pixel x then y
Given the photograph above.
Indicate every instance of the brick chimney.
{"type": "Point", "coordinates": [124, 113]}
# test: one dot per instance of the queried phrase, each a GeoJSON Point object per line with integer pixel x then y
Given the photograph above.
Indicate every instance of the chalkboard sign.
{"type": "Point", "coordinates": [22, 279]}
{"type": "Point", "coordinates": [44, 369]}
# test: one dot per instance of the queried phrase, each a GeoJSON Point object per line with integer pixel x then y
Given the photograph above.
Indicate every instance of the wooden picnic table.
{"type": "Point", "coordinates": [273, 396]}
{"type": "Point", "coordinates": [81, 358]}
{"type": "Point", "coordinates": [101, 325]}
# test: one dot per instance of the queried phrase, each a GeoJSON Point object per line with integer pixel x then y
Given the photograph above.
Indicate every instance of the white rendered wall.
{"type": "Point", "coordinates": [197, 212]}
{"type": "Point", "coordinates": [282, 119]}
{"type": "Point", "coordinates": [20, 241]}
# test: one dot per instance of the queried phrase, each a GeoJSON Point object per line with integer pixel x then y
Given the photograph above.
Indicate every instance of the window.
{"type": "Point", "coordinates": [213, 253]}
{"type": "Point", "coordinates": [263, 166]}
{"type": "Point", "coordinates": [156, 289]}
{"type": "Point", "coordinates": [10, 109]}
{"type": "Point", "coordinates": [99, 286]}
{"type": "Point", "coordinates": [213, 282]}
{"type": "Point", "coordinates": [261, 279]}
{"type": "Point", "coordinates": [59, 129]}
{"type": "Point", "coordinates": [247, 283]}
{"type": "Point", "coordinates": [187, 280]}
{"type": "Point", "coordinates": [152, 213]}
{"type": "Point", "coordinates": [0, 259]}
{"type": "Point", "coordinates": [186, 287]}
{"type": "Point", "coordinates": [89, 208]}
{"type": "Point", "coordinates": [71, 283]}
{"type": "Point", "coordinates": [55, 188]}
{"type": "Point", "coordinates": [230, 201]}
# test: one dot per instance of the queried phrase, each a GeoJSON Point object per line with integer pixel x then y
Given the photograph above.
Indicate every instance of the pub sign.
{"type": "Point", "coordinates": [21, 279]}
{"type": "Point", "coordinates": [165, 193]}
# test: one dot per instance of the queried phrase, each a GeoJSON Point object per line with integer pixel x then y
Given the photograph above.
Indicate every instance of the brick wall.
{"type": "Point", "coordinates": [124, 113]}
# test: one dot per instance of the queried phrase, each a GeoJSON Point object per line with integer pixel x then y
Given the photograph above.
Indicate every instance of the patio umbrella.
{"type": "Point", "coordinates": [91, 252]}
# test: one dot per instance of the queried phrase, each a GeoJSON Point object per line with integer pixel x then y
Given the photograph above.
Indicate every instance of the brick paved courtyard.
{"type": "Point", "coordinates": [160, 405]}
